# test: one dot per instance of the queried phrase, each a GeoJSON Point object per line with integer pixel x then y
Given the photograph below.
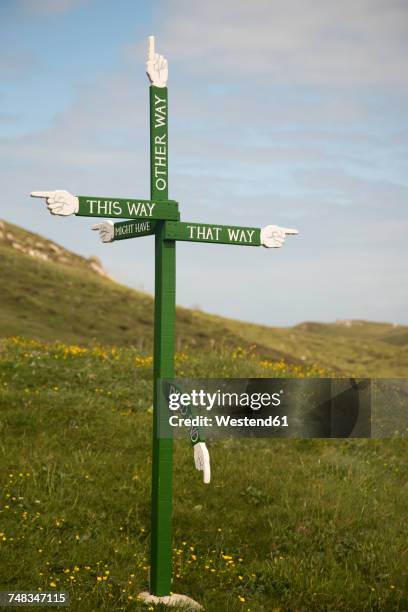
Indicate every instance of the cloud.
{"type": "Point", "coordinates": [348, 43]}
{"type": "Point", "coordinates": [276, 116]}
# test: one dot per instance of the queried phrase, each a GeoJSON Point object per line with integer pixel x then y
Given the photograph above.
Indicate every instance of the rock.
{"type": "Point", "coordinates": [37, 254]}
{"type": "Point", "coordinates": [96, 265]}
{"type": "Point", "coordinates": [174, 600]}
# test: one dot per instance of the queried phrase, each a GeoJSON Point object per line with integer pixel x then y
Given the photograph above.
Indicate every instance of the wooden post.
{"type": "Point", "coordinates": [164, 342]}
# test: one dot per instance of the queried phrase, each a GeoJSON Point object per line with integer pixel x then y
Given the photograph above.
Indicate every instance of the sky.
{"type": "Point", "coordinates": [287, 112]}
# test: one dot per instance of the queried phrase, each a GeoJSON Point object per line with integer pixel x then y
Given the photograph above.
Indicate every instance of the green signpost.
{"type": "Point", "coordinates": [164, 344]}
{"type": "Point", "coordinates": [127, 209]}
{"type": "Point", "coordinates": [160, 216]}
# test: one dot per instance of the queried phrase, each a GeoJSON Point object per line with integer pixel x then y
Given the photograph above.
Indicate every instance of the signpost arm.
{"type": "Point", "coordinates": [270, 236]}
{"type": "Point", "coordinates": [164, 344]}
{"type": "Point", "coordinates": [63, 203]}
{"type": "Point", "coordinates": [110, 232]}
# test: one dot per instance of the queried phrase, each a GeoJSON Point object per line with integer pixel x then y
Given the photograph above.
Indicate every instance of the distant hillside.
{"type": "Point", "coordinates": [364, 348]}
{"type": "Point", "coordinates": [49, 293]}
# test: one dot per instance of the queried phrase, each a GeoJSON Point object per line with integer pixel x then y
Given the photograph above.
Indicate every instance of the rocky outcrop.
{"type": "Point", "coordinates": [45, 250]}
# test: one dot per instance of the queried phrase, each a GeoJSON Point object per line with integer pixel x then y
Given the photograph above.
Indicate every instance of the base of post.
{"type": "Point", "coordinates": [175, 600]}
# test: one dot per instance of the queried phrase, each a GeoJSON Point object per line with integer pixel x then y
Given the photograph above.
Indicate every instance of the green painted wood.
{"type": "Point", "coordinates": [164, 345]}
{"type": "Point", "coordinates": [128, 208]}
{"type": "Point", "coordinates": [133, 229]}
{"type": "Point", "coordinates": [222, 234]}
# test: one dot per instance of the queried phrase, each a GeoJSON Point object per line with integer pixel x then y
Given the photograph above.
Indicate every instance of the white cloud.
{"type": "Point", "coordinates": [326, 42]}
{"type": "Point", "coordinates": [289, 136]}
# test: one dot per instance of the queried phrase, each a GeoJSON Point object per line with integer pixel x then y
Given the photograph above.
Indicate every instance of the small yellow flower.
{"type": "Point", "coordinates": [52, 584]}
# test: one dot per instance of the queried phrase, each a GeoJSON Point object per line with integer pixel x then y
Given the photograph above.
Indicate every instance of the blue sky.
{"type": "Point", "coordinates": [288, 112]}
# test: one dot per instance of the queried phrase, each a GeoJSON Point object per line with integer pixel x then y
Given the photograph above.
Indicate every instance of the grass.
{"type": "Point", "coordinates": [58, 299]}
{"type": "Point", "coordinates": [289, 525]}
{"type": "Point", "coordinates": [48, 300]}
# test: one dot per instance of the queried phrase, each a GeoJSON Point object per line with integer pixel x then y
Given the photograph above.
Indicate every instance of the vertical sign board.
{"type": "Point", "coordinates": [164, 344]}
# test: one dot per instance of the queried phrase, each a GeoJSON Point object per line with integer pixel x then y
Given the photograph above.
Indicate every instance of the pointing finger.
{"type": "Point", "coordinates": [290, 232]}
{"type": "Point", "coordinates": [150, 48]}
{"type": "Point", "coordinates": [97, 226]}
{"type": "Point", "coordinates": [42, 194]}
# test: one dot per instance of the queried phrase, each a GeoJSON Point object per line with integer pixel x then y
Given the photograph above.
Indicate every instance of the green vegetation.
{"type": "Point", "coordinates": [285, 525]}
{"type": "Point", "coordinates": [58, 298]}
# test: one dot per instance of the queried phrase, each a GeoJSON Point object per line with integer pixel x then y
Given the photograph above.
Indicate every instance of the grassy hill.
{"type": "Point", "coordinates": [361, 347]}
{"type": "Point", "coordinates": [289, 525]}
{"type": "Point", "coordinates": [286, 525]}
{"type": "Point", "coordinates": [49, 293]}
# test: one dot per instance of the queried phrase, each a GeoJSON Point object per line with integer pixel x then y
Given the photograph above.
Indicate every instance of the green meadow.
{"type": "Point", "coordinates": [285, 525]}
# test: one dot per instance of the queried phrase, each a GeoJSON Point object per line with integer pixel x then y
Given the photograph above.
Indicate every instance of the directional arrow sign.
{"type": "Point", "coordinates": [123, 208]}
{"type": "Point", "coordinates": [223, 234]}
{"type": "Point", "coordinates": [133, 229]}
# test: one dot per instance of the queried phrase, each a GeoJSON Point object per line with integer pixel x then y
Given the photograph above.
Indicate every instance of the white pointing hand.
{"type": "Point", "coordinates": [156, 65]}
{"type": "Point", "coordinates": [273, 236]}
{"type": "Point", "coordinates": [202, 460]}
{"type": "Point", "coordinates": [106, 230]}
{"type": "Point", "coordinates": [59, 202]}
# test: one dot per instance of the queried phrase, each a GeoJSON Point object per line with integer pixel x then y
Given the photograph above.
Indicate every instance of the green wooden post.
{"type": "Point", "coordinates": [164, 342]}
